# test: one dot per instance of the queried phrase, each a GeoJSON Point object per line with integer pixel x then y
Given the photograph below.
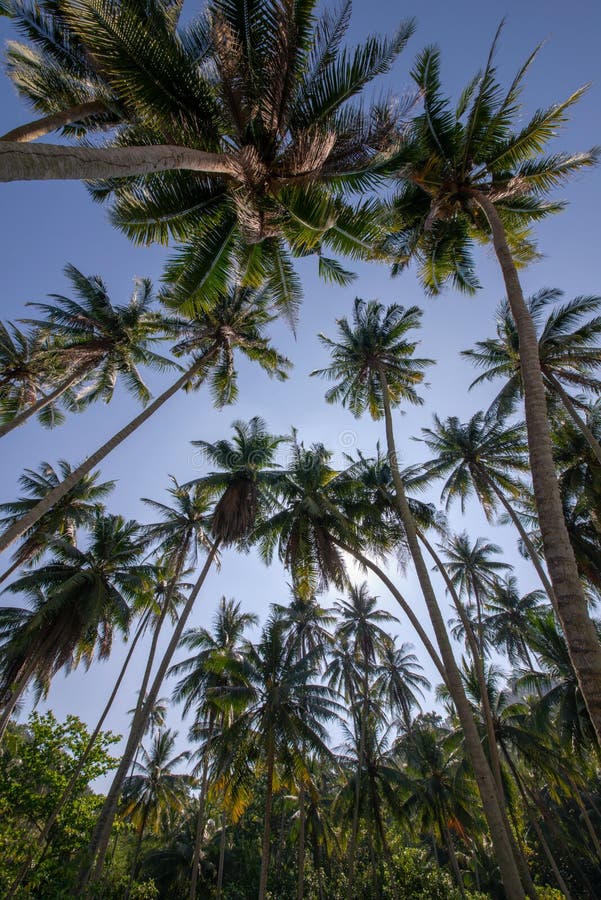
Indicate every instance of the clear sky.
{"type": "Point", "coordinates": [46, 225]}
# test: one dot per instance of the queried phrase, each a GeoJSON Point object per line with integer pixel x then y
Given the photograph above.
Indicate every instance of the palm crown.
{"type": "Point", "coordinates": [456, 154]}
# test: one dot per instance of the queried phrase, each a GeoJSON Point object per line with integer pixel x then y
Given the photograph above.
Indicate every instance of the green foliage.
{"type": "Point", "coordinates": [37, 763]}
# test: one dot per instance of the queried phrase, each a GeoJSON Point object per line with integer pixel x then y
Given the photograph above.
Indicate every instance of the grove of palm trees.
{"type": "Point", "coordinates": [300, 414]}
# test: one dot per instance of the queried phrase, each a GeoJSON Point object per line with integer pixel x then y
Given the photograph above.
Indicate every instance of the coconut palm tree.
{"type": "Point", "coordinates": [236, 491]}
{"type": "Point", "coordinates": [243, 145]}
{"type": "Point", "coordinates": [78, 508]}
{"type": "Point", "coordinates": [155, 791]}
{"type": "Point", "coordinates": [26, 365]}
{"type": "Point", "coordinates": [374, 370]}
{"type": "Point", "coordinates": [482, 457]}
{"type": "Point", "coordinates": [567, 347]}
{"type": "Point", "coordinates": [476, 171]}
{"type": "Point", "coordinates": [78, 599]}
{"type": "Point", "coordinates": [473, 572]}
{"type": "Point", "coordinates": [238, 321]}
{"type": "Point", "coordinates": [283, 717]}
{"type": "Point", "coordinates": [203, 679]}
{"type": "Point", "coordinates": [399, 682]}
{"type": "Point", "coordinates": [507, 617]}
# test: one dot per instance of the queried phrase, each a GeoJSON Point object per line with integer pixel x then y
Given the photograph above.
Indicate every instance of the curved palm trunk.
{"type": "Point", "coordinates": [12, 568]}
{"type": "Point", "coordinates": [578, 421]}
{"type": "Point", "coordinates": [482, 772]}
{"type": "Point", "coordinates": [52, 122]}
{"type": "Point", "coordinates": [453, 858]}
{"type": "Point", "coordinates": [267, 821]}
{"type": "Point", "coordinates": [526, 540]}
{"type": "Point", "coordinates": [300, 885]}
{"type": "Point", "coordinates": [43, 838]}
{"type": "Point", "coordinates": [101, 834]}
{"type": "Point", "coordinates": [493, 750]}
{"type": "Point", "coordinates": [579, 630]}
{"type": "Point", "coordinates": [42, 162]}
{"type": "Point", "coordinates": [26, 522]}
{"type": "Point", "coordinates": [44, 401]}
{"type": "Point", "coordinates": [134, 864]}
{"type": "Point", "coordinates": [355, 824]}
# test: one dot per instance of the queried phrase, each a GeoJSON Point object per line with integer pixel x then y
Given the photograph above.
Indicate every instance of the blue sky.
{"type": "Point", "coordinates": [46, 225]}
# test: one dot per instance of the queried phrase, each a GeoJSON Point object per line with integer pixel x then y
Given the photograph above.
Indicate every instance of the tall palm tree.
{"type": "Point", "coordinates": [473, 572]}
{"type": "Point", "coordinates": [95, 342]}
{"type": "Point", "coordinates": [568, 350]}
{"type": "Point", "coordinates": [237, 493]}
{"type": "Point", "coordinates": [399, 682]}
{"type": "Point", "coordinates": [155, 791]}
{"type": "Point", "coordinates": [507, 617]}
{"type": "Point", "coordinates": [76, 509]}
{"type": "Point", "coordinates": [243, 145]}
{"type": "Point", "coordinates": [203, 679]}
{"type": "Point", "coordinates": [283, 719]}
{"type": "Point", "coordinates": [482, 457]}
{"type": "Point", "coordinates": [476, 171]}
{"type": "Point", "coordinates": [238, 321]}
{"type": "Point", "coordinates": [374, 370]}
{"type": "Point", "coordinates": [79, 598]}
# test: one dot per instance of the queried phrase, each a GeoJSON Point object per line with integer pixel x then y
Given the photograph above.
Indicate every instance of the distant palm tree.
{"type": "Point", "coordinates": [155, 792]}
{"type": "Point", "coordinates": [476, 171]}
{"type": "Point", "coordinates": [79, 598]}
{"type": "Point", "coordinates": [26, 366]}
{"type": "Point", "coordinates": [399, 682]}
{"type": "Point", "coordinates": [507, 619]}
{"type": "Point", "coordinates": [76, 509]}
{"type": "Point", "coordinates": [568, 349]}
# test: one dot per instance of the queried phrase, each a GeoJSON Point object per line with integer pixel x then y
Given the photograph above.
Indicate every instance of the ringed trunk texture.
{"type": "Point", "coordinates": [102, 831]}
{"type": "Point", "coordinates": [52, 122]}
{"type": "Point", "coordinates": [42, 162]}
{"type": "Point", "coordinates": [579, 630]}
{"type": "Point", "coordinates": [482, 771]}
{"type": "Point", "coordinates": [28, 521]}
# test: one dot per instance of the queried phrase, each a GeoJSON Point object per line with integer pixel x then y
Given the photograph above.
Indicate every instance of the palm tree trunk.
{"type": "Point", "coordinates": [200, 819]}
{"type": "Point", "coordinates": [16, 692]}
{"type": "Point", "coordinates": [534, 822]}
{"type": "Point", "coordinates": [355, 824]}
{"type": "Point", "coordinates": [267, 821]}
{"type": "Point", "coordinates": [44, 401]}
{"type": "Point", "coordinates": [493, 750]}
{"type": "Point", "coordinates": [579, 630]}
{"type": "Point", "coordinates": [134, 864]}
{"type": "Point", "coordinates": [53, 496]}
{"type": "Point", "coordinates": [482, 772]}
{"type": "Point", "coordinates": [300, 887]}
{"type": "Point", "coordinates": [221, 858]}
{"type": "Point", "coordinates": [44, 836]}
{"type": "Point", "coordinates": [576, 419]}
{"type": "Point", "coordinates": [530, 548]}
{"type": "Point", "coordinates": [52, 122]}
{"type": "Point", "coordinates": [102, 830]}
{"type": "Point", "coordinates": [453, 858]}
{"type": "Point", "coordinates": [12, 568]}
{"type": "Point", "coordinates": [40, 162]}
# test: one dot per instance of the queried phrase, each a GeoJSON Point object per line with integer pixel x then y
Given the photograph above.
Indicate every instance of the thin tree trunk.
{"type": "Point", "coordinates": [267, 821]}
{"type": "Point", "coordinates": [44, 401]}
{"type": "Point", "coordinates": [495, 762]}
{"type": "Point", "coordinates": [579, 630]}
{"type": "Point", "coordinates": [482, 772]}
{"type": "Point", "coordinates": [12, 568]}
{"type": "Point", "coordinates": [53, 496]}
{"type": "Point", "coordinates": [16, 692]}
{"type": "Point", "coordinates": [355, 823]}
{"type": "Point", "coordinates": [53, 121]}
{"type": "Point", "coordinates": [101, 834]}
{"type": "Point", "coordinates": [300, 888]}
{"type": "Point", "coordinates": [452, 856]}
{"type": "Point", "coordinates": [578, 421]}
{"type": "Point", "coordinates": [221, 858]}
{"type": "Point", "coordinates": [44, 837]}
{"type": "Point", "coordinates": [134, 864]}
{"type": "Point", "coordinates": [587, 819]}
{"type": "Point", "coordinates": [200, 819]}
{"type": "Point", "coordinates": [41, 162]}
{"type": "Point", "coordinates": [526, 540]}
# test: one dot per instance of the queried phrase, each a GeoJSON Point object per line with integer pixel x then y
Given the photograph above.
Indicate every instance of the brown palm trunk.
{"type": "Point", "coordinates": [52, 122]}
{"type": "Point", "coordinates": [53, 496]}
{"type": "Point", "coordinates": [355, 823]}
{"type": "Point", "coordinates": [267, 821]}
{"type": "Point", "coordinates": [482, 772]}
{"type": "Point", "coordinates": [134, 864]}
{"type": "Point", "coordinates": [579, 630]}
{"type": "Point", "coordinates": [200, 819]}
{"type": "Point", "coordinates": [300, 885]}
{"type": "Point", "coordinates": [40, 162]}
{"type": "Point", "coordinates": [101, 834]}
{"type": "Point", "coordinates": [221, 858]}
